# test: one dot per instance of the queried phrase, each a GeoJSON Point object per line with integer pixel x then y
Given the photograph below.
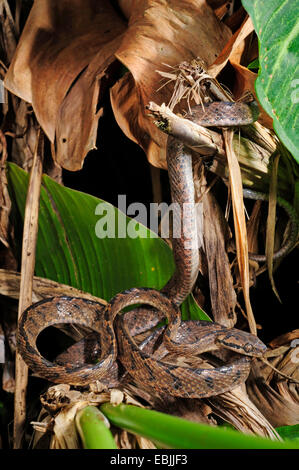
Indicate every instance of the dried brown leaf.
{"type": "Point", "coordinates": [252, 227]}
{"type": "Point", "coordinates": [244, 81]}
{"type": "Point", "coordinates": [222, 11]}
{"type": "Point", "coordinates": [235, 20]}
{"type": "Point", "coordinates": [50, 58]}
{"type": "Point", "coordinates": [278, 400]}
{"type": "Point", "coordinates": [76, 137]}
{"type": "Point", "coordinates": [271, 219]}
{"type": "Point", "coordinates": [244, 78]}
{"type": "Point", "coordinates": [238, 409]}
{"type": "Point", "coordinates": [5, 203]}
{"type": "Point", "coordinates": [160, 33]}
{"type": "Point", "coordinates": [26, 285]}
{"type": "Point", "coordinates": [236, 189]}
{"type": "Point", "coordinates": [252, 234]}
{"type": "Point", "coordinates": [286, 338]}
{"type": "Point", "coordinates": [216, 3]}
{"type": "Point", "coordinates": [8, 36]}
{"type": "Point", "coordinates": [2, 346]}
{"type": "Point", "coordinates": [126, 7]}
{"type": "Point", "coordinates": [276, 396]}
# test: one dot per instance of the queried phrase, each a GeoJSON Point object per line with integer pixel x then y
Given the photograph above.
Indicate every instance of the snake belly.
{"type": "Point", "coordinates": [115, 333]}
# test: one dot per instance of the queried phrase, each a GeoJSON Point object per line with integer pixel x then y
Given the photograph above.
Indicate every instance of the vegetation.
{"type": "Point", "coordinates": [89, 105]}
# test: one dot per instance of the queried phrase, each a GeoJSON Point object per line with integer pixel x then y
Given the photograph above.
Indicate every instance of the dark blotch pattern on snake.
{"type": "Point", "coordinates": [115, 333]}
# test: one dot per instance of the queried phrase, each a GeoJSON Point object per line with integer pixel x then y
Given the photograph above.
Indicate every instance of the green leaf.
{"type": "Point", "coordinates": [289, 432]}
{"type": "Point", "coordinates": [177, 433]}
{"type": "Point", "coordinates": [92, 427]}
{"type": "Point", "coordinates": [254, 64]}
{"type": "Point", "coordinates": [69, 251]}
{"type": "Point", "coordinates": [276, 23]}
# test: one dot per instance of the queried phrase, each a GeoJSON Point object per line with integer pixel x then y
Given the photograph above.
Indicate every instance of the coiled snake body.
{"type": "Point", "coordinates": [115, 333]}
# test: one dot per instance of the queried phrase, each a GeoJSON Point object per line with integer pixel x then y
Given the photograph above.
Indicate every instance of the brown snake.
{"type": "Point", "coordinates": [113, 341]}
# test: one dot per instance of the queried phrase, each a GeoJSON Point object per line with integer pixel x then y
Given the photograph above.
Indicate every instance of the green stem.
{"type": "Point", "coordinates": [177, 433]}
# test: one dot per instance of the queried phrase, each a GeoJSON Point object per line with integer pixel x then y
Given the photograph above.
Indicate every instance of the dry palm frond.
{"type": "Point", "coordinates": [275, 395]}
{"type": "Point", "coordinates": [236, 408]}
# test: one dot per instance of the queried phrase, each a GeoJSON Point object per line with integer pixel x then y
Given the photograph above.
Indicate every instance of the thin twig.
{"type": "Point", "coordinates": [27, 271]}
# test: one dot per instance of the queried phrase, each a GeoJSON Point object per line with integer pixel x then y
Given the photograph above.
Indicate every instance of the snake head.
{"type": "Point", "coordinates": [242, 343]}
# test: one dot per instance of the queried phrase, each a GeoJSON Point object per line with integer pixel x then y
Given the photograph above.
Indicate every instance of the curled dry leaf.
{"type": "Point", "coordinates": [62, 403]}
{"type": "Point", "coordinates": [239, 224]}
{"type": "Point", "coordinates": [51, 58]}
{"type": "Point", "coordinates": [8, 33]}
{"type": "Point", "coordinates": [244, 78]}
{"type": "Point", "coordinates": [237, 408]}
{"type": "Point", "coordinates": [42, 288]}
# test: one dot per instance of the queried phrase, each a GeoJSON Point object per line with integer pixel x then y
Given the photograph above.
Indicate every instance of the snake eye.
{"type": "Point", "coordinates": [248, 348]}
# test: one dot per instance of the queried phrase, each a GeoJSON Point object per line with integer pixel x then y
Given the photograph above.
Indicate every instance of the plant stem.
{"type": "Point", "coordinates": [27, 271]}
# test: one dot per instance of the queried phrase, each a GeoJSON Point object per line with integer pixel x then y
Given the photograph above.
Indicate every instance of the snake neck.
{"type": "Point", "coordinates": [185, 241]}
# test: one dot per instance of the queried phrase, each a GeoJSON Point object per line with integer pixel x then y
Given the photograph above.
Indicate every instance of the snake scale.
{"type": "Point", "coordinates": [113, 344]}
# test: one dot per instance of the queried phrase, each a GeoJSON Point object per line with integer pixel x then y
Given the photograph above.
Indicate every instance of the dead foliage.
{"type": "Point", "coordinates": [157, 59]}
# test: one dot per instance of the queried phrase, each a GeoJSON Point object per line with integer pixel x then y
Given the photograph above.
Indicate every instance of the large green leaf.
{"type": "Point", "coordinates": [69, 251]}
{"type": "Point", "coordinates": [276, 23]}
